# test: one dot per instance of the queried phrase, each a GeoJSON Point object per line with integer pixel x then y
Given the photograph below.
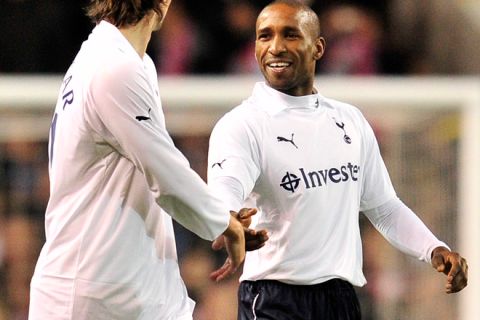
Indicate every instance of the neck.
{"type": "Point", "coordinates": [139, 35]}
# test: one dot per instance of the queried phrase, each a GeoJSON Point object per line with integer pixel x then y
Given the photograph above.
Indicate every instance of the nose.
{"type": "Point", "coordinates": [277, 46]}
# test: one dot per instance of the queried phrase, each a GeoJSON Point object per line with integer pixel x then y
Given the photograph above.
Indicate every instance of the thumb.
{"type": "Point", "coordinates": [218, 243]}
{"type": "Point", "coordinates": [438, 263]}
{"type": "Point", "coordinates": [441, 268]}
{"type": "Point", "coordinates": [245, 213]}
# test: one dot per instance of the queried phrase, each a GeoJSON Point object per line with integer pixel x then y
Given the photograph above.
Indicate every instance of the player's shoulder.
{"type": "Point", "coordinates": [118, 70]}
{"type": "Point", "coordinates": [109, 59]}
{"type": "Point", "coordinates": [241, 118]}
{"type": "Point", "coordinates": [245, 113]}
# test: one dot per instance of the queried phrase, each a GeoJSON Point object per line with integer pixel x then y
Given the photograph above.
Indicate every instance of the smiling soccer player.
{"type": "Point", "coordinates": [311, 164]}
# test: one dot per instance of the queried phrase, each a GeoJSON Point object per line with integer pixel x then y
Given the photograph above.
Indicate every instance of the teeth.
{"type": "Point", "coordinates": [279, 64]}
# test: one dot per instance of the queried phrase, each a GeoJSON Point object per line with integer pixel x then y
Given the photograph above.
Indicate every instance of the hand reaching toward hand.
{"type": "Point", "coordinates": [234, 241]}
{"type": "Point", "coordinates": [253, 240]}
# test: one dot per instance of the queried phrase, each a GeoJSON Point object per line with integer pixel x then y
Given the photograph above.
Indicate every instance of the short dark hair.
{"type": "Point", "coordinates": [293, 3]}
{"type": "Point", "coordinates": [122, 12]}
{"type": "Point", "coordinates": [300, 5]}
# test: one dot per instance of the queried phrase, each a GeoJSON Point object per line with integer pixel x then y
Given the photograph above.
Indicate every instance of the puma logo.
{"type": "Point", "coordinates": [219, 163]}
{"type": "Point", "coordinates": [282, 139]}
{"type": "Point", "coordinates": [141, 118]}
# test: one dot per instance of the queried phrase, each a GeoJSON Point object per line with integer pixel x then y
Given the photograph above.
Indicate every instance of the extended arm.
{"type": "Point", "coordinates": [232, 172]}
{"type": "Point", "coordinates": [123, 111]}
{"type": "Point", "coordinates": [116, 98]}
{"type": "Point", "coordinates": [405, 231]}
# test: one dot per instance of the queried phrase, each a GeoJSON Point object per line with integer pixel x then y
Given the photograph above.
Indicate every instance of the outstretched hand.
{"type": "Point", "coordinates": [453, 265]}
{"type": "Point", "coordinates": [254, 239]}
{"type": "Point", "coordinates": [234, 241]}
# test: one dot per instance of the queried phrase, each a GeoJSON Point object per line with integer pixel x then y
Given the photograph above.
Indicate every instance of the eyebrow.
{"type": "Point", "coordinates": [290, 28]}
{"type": "Point", "coordinates": [264, 29]}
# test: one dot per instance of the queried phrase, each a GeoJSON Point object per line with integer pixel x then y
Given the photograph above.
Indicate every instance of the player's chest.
{"type": "Point", "coordinates": [313, 142]}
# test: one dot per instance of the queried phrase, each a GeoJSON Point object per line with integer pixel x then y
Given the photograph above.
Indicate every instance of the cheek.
{"type": "Point", "coordinates": [308, 57]}
{"type": "Point", "coordinates": [258, 55]}
{"type": "Point", "coordinates": [261, 50]}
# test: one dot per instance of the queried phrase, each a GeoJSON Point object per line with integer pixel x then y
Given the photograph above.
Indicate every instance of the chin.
{"type": "Point", "coordinates": [279, 85]}
{"type": "Point", "coordinates": [278, 82]}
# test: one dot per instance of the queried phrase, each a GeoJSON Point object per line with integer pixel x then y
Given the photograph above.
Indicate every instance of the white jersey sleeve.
{"type": "Point", "coordinates": [377, 187]}
{"type": "Point", "coordinates": [121, 108]}
{"type": "Point", "coordinates": [404, 230]}
{"type": "Point", "coordinates": [230, 190]}
{"type": "Point", "coordinates": [234, 150]}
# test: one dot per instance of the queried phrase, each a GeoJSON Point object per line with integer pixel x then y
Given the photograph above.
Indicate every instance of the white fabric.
{"type": "Point", "coordinates": [230, 190]}
{"type": "Point", "coordinates": [311, 164]}
{"type": "Point", "coordinates": [404, 230]}
{"type": "Point", "coordinates": [110, 249]}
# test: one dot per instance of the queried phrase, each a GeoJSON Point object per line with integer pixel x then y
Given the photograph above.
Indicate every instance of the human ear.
{"type": "Point", "coordinates": [319, 48]}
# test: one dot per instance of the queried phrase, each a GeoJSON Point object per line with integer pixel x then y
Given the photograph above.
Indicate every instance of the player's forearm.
{"type": "Point", "coordinates": [230, 190]}
{"type": "Point", "coordinates": [404, 230]}
{"type": "Point", "coordinates": [115, 102]}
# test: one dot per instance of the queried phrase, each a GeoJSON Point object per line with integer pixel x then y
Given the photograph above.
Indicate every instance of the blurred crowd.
{"type": "Point", "coordinates": [376, 37]}
{"type": "Point", "coordinates": [216, 37]}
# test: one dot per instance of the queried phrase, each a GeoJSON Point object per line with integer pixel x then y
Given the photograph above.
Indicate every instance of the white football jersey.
{"type": "Point", "coordinates": [311, 164]}
{"type": "Point", "coordinates": [110, 248]}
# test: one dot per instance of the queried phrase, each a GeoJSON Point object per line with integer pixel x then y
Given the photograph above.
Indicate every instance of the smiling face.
{"type": "Point", "coordinates": [287, 47]}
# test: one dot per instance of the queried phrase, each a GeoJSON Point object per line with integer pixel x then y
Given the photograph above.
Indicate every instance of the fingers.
{"type": "Point", "coordinates": [439, 260]}
{"type": "Point", "coordinates": [453, 260]}
{"type": "Point", "coordinates": [235, 245]}
{"type": "Point", "coordinates": [457, 278]}
{"type": "Point", "coordinates": [223, 272]}
{"type": "Point", "coordinates": [234, 214]}
{"type": "Point", "coordinates": [456, 284]}
{"type": "Point", "coordinates": [454, 266]}
{"type": "Point", "coordinates": [244, 216]}
{"type": "Point", "coordinates": [245, 213]}
{"type": "Point", "coordinates": [234, 242]}
{"type": "Point", "coordinates": [237, 239]}
{"type": "Point", "coordinates": [218, 243]}
{"type": "Point", "coordinates": [255, 239]}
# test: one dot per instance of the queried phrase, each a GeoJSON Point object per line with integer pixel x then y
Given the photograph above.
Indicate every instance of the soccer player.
{"type": "Point", "coordinates": [110, 248]}
{"type": "Point", "coordinates": [311, 164]}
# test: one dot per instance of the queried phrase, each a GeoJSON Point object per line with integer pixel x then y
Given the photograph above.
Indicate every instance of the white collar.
{"type": "Point", "coordinates": [274, 101]}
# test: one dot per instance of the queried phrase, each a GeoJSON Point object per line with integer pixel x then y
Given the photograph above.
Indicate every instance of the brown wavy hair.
{"type": "Point", "coordinates": [122, 12]}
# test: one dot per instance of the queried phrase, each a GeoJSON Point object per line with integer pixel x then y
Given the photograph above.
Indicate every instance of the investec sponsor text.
{"type": "Point", "coordinates": [319, 178]}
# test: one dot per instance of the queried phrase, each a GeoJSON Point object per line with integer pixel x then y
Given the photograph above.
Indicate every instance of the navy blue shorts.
{"type": "Point", "coordinates": [273, 300]}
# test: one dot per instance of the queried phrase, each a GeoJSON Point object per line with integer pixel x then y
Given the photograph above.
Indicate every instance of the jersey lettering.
{"type": "Point", "coordinates": [67, 99]}
{"type": "Point", "coordinates": [320, 178]}
{"type": "Point", "coordinates": [66, 82]}
{"type": "Point", "coordinates": [53, 127]}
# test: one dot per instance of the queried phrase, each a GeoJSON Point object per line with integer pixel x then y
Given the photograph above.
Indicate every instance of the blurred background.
{"type": "Point", "coordinates": [411, 66]}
